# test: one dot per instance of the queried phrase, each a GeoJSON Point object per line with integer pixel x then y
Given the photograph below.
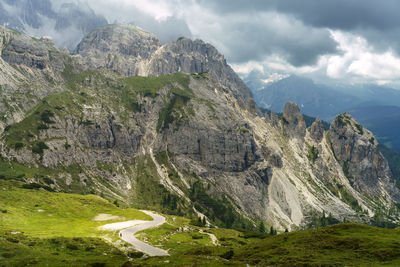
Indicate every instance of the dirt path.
{"type": "Point", "coordinates": [213, 238]}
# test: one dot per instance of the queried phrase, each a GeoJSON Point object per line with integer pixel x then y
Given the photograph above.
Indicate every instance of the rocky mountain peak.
{"type": "Point", "coordinates": [346, 133]}
{"type": "Point", "coordinates": [356, 149]}
{"type": "Point", "coordinates": [316, 130]}
{"type": "Point", "coordinates": [19, 49]}
{"type": "Point", "coordinates": [118, 47]}
{"type": "Point", "coordinates": [293, 121]}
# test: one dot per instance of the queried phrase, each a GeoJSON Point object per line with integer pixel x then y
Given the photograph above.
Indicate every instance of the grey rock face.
{"type": "Point", "coordinates": [231, 151]}
{"type": "Point", "coordinates": [316, 130]}
{"type": "Point", "coordinates": [357, 151]}
{"type": "Point", "coordinates": [293, 121]}
{"type": "Point", "coordinates": [274, 120]}
{"type": "Point", "coordinates": [196, 56]}
{"type": "Point", "coordinates": [20, 49]}
{"type": "Point", "coordinates": [118, 47]}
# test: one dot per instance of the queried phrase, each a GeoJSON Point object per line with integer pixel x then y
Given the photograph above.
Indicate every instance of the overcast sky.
{"type": "Point", "coordinates": [344, 41]}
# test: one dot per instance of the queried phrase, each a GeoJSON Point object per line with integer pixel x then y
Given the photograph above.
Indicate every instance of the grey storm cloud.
{"type": "Point", "coordinates": [377, 21]}
{"type": "Point", "coordinates": [251, 38]}
{"type": "Point", "coordinates": [340, 14]}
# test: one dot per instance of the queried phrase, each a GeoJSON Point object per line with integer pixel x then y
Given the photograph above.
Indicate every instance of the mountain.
{"type": "Point", "coordinates": [132, 51]}
{"type": "Point", "coordinates": [66, 24]}
{"type": "Point", "coordinates": [374, 95]}
{"type": "Point", "coordinates": [171, 127]}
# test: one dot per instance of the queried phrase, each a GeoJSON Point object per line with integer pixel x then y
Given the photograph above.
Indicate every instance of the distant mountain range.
{"type": "Point", "coordinates": [376, 107]}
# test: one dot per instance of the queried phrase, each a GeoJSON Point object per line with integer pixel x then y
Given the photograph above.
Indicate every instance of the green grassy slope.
{"type": "Point", "coordinates": [42, 228]}
{"type": "Point", "coordinates": [38, 227]}
{"type": "Point", "coordinates": [23, 250]}
{"type": "Point", "coordinates": [42, 213]}
{"type": "Point", "coordinates": [339, 245]}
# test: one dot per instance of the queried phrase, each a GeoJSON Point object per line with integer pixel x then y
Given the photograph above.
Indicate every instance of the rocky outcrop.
{"type": "Point", "coordinates": [357, 151]}
{"type": "Point", "coordinates": [267, 118]}
{"type": "Point", "coordinates": [124, 49]}
{"type": "Point", "coordinates": [293, 121]}
{"type": "Point", "coordinates": [274, 119]}
{"type": "Point", "coordinates": [19, 49]}
{"type": "Point", "coordinates": [316, 130]}
{"type": "Point", "coordinates": [230, 151]}
{"type": "Point", "coordinates": [189, 56]}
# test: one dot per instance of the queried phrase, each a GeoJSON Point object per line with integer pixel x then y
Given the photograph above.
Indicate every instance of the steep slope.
{"type": "Point", "coordinates": [30, 70]}
{"type": "Point", "coordinates": [356, 149]}
{"type": "Point", "coordinates": [190, 144]}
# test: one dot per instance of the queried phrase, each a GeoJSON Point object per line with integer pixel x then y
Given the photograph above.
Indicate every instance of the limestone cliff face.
{"type": "Point", "coordinates": [29, 70]}
{"type": "Point", "coordinates": [121, 48]}
{"type": "Point", "coordinates": [189, 56]}
{"type": "Point", "coordinates": [317, 130]}
{"type": "Point", "coordinates": [94, 126]}
{"type": "Point", "coordinates": [293, 121]}
{"type": "Point", "coordinates": [356, 149]}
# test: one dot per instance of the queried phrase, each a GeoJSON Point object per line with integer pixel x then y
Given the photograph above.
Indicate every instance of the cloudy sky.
{"type": "Point", "coordinates": [344, 41]}
{"type": "Point", "coordinates": [336, 41]}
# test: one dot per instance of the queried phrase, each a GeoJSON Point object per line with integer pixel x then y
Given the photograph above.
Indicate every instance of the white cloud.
{"type": "Point", "coordinates": [357, 62]}
{"type": "Point", "coordinates": [247, 67]}
{"type": "Point", "coordinates": [158, 9]}
{"type": "Point", "coordinates": [360, 61]}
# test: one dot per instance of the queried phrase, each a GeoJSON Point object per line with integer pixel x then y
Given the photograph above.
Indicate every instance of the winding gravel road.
{"type": "Point", "coordinates": [128, 235]}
